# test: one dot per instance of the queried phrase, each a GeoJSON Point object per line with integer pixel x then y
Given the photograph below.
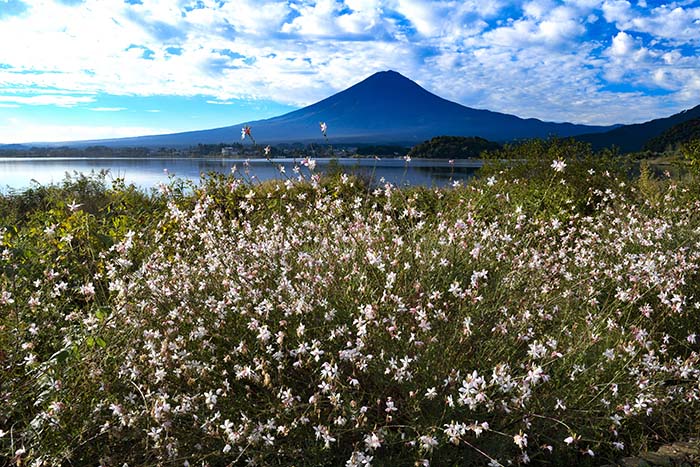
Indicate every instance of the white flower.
{"type": "Point", "coordinates": [210, 399]}
{"type": "Point", "coordinates": [427, 443]}
{"type": "Point", "coordinates": [520, 440]}
{"type": "Point", "coordinates": [324, 128]}
{"type": "Point", "coordinates": [88, 290]}
{"type": "Point", "coordinates": [6, 298]}
{"type": "Point", "coordinates": [73, 206]}
{"type": "Point", "coordinates": [558, 165]}
{"type": "Point", "coordinates": [372, 441]}
{"type": "Point", "coordinates": [609, 354]}
{"type": "Point", "coordinates": [310, 163]}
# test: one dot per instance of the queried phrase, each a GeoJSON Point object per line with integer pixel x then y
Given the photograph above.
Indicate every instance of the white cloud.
{"type": "Point", "coordinates": [670, 22]}
{"type": "Point", "coordinates": [107, 109]}
{"type": "Point", "coordinates": [24, 131]}
{"type": "Point", "coordinates": [676, 24]}
{"type": "Point", "coordinates": [585, 5]}
{"type": "Point", "coordinates": [421, 15]}
{"type": "Point", "coordinates": [544, 27]}
{"type": "Point", "coordinates": [617, 11]}
{"type": "Point", "coordinates": [623, 45]}
{"type": "Point", "coordinates": [537, 8]}
{"type": "Point", "coordinates": [315, 19]}
{"type": "Point", "coordinates": [221, 102]}
{"type": "Point", "coordinates": [255, 17]}
{"type": "Point", "coordinates": [57, 100]}
{"type": "Point", "coordinates": [543, 62]}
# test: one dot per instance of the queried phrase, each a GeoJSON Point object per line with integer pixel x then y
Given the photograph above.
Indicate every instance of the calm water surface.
{"type": "Point", "coordinates": [17, 174]}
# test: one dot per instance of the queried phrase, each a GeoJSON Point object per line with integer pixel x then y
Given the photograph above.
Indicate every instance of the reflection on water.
{"type": "Point", "coordinates": [20, 173]}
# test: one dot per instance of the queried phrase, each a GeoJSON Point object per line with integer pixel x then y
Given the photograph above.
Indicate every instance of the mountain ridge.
{"type": "Point", "coordinates": [675, 136]}
{"type": "Point", "coordinates": [385, 107]}
{"type": "Point", "coordinates": [633, 137]}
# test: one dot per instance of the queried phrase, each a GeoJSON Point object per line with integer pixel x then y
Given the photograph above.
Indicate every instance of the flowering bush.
{"type": "Point", "coordinates": [331, 322]}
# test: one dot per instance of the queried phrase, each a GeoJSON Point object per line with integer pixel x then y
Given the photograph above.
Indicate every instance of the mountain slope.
{"type": "Point", "coordinates": [389, 107]}
{"type": "Point", "coordinates": [675, 136]}
{"type": "Point", "coordinates": [386, 107]}
{"type": "Point", "coordinates": [631, 138]}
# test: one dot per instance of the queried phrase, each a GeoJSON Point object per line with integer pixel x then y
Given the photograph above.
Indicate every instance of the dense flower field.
{"type": "Point", "coordinates": [546, 312]}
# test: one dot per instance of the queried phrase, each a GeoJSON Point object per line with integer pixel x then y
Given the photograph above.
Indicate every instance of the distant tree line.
{"type": "Point", "coordinates": [453, 147]}
{"type": "Point", "coordinates": [88, 151]}
{"type": "Point", "coordinates": [382, 150]}
{"type": "Point", "coordinates": [675, 137]}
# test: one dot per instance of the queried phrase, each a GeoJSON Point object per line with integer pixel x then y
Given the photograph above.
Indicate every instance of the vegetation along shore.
{"type": "Point", "coordinates": [545, 313]}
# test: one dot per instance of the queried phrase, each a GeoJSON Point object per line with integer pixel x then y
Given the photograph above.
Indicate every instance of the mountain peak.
{"type": "Point", "coordinates": [387, 77]}
{"type": "Point", "coordinates": [388, 74]}
{"type": "Point", "coordinates": [384, 107]}
{"type": "Point", "coordinates": [388, 88]}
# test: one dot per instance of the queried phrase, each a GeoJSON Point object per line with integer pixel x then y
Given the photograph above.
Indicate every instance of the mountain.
{"type": "Point", "coordinates": [387, 107]}
{"type": "Point", "coordinates": [13, 147]}
{"type": "Point", "coordinates": [631, 138]}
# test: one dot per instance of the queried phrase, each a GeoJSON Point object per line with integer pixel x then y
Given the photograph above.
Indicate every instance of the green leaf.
{"type": "Point", "coordinates": [106, 240]}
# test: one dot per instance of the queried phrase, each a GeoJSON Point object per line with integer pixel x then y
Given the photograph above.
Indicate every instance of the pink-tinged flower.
{"type": "Point", "coordinates": [324, 127]}
{"type": "Point", "coordinates": [520, 440]}
{"type": "Point", "coordinates": [309, 162]}
{"type": "Point", "coordinates": [373, 441]}
{"type": "Point", "coordinates": [88, 290]}
{"type": "Point", "coordinates": [245, 131]}
{"type": "Point", "coordinates": [6, 298]}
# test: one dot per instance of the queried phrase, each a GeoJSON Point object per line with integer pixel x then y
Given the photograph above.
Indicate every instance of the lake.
{"type": "Point", "coordinates": [17, 174]}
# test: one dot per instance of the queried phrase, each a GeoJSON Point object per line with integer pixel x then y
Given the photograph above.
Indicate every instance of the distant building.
{"type": "Point", "coordinates": [229, 151]}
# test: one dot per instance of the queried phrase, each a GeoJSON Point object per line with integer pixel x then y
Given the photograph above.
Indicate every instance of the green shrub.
{"type": "Point", "coordinates": [545, 311]}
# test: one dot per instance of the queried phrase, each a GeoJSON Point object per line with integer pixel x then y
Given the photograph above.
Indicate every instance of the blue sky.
{"type": "Point", "coordinates": [86, 69]}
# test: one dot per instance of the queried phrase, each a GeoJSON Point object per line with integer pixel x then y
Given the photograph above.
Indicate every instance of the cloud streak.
{"type": "Point", "coordinates": [108, 109]}
{"type": "Point", "coordinates": [49, 99]}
